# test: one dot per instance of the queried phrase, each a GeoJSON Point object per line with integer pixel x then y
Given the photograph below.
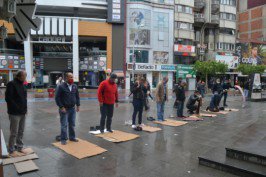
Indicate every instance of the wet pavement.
{"type": "Point", "coordinates": [171, 152]}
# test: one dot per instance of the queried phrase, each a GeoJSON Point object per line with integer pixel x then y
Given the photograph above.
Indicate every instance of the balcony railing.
{"type": "Point", "coordinates": [215, 6]}
{"type": "Point", "coordinates": [215, 19]}
{"type": "Point", "coordinates": [199, 17]}
{"type": "Point", "coordinates": [199, 4]}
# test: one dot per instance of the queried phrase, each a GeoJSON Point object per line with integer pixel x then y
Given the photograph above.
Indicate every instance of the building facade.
{"type": "Point", "coordinates": [150, 41]}
{"type": "Point", "coordinates": [76, 36]}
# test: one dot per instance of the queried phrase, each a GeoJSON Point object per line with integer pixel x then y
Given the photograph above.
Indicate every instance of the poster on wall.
{"type": "Point", "coordinates": [160, 57]}
{"type": "Point", "coordinates": [229, 59]}
{"type": "Point", "coordinates": [248, 53]}
{"type": "Point", "coordinates": [141, 37]}
{"type": "Point", "coordinates": [185, 71]}
{"type": "Point", "coordinates": [139, 26]}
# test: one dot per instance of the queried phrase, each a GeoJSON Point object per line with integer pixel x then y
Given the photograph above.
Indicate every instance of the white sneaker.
{"type": "Point", "coordinates": [142, 125]}
{"type": "Point", "coordinates": [134, 126]}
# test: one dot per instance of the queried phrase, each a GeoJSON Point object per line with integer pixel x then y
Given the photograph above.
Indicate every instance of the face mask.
{"type": "Point", "coordinates": [70, 81]}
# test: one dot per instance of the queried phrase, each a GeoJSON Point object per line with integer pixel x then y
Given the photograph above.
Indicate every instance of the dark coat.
{"type": "Point", "coordinates": [16, 98]}
{"type": "Point", "coordinates": [66, 98]}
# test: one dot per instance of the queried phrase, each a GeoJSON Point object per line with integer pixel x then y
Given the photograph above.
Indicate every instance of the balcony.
{"type": "Point", "coordinates": [199, 5]}
{"type": "Point", "coordinates": [215, 6]}
{"type": "Point", "coordinates": [215, 19]}
{"type": "Point", "coordinates": [199, 18]}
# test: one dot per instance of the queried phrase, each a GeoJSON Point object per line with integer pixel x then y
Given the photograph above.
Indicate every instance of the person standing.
{"type": "Point", "coordinates": [246, 88]}
{"type": "Point", "coordinates": [138, 101]}
{"type": "Point", "coordinates": [16, 99]}
{"type": "Point", "coordinates": [226, 86]}
{"type": "Point", "coordinates": [147, 93]}
{"type": "Point", "coordinates": [67, 98]}
{"type": "Point", "coordinates": [59, 81]}
{"type": "Point", "coordinates": [107, 97]}
{"type": "Point", "coordinates": [180, 99]}
{"type": "Point", "coordinates": [179, 81]}
{"type": "Point", "coordinates": [161, 98]}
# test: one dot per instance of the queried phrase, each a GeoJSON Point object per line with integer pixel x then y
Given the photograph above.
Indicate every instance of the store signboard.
{"type": "Point", "coordinates": [184, 48]}
{"type": "Point", "coordinates": [185, 71]}
{"type": "Point", "coordinates": [151, 67]}
{"type": "Point", "coordinates": [116, 11]}
{"type": "Point", "coordinates": [231, 60]}
{"type": "Point", "coordinates": [11, 61]}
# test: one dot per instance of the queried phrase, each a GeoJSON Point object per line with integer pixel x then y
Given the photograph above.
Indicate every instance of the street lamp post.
{"type": "Point", "coordinates": [133, 52]}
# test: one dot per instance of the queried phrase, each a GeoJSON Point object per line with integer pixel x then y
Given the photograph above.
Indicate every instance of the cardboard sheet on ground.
{"type": "Point", "coordinates": [118, 136]}
{"type": "Point", "coordinates": [26, 166]}
{"type": "Point", "coordinates": [220, 112]}
{"type": "Point", "coordinates": [81, 149]}
{"type": "Point", "coordinates": [231, 109]}
{"type": "Point", "coordinates": [193, 118]}
{"type": "Point", "coordinates": [170, 122]}
{"type": "Point", "coordinates": [150, 129]}
{"type": "Point", "coordinates": [19, 159]}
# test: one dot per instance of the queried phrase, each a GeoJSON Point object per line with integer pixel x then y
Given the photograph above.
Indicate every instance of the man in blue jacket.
{"type": "Point", "coordinates": [67, 98]}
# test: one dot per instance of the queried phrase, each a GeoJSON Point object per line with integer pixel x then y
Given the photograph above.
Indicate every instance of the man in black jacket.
{"type": "Point", "coordinates": [226, 86]}
{"type": "Point", "coordinates": [180, 99]}
{"type": "Point", "coordinates": [191, 103]}
{"type": "Point", "coordinates": [16, 99]}
{"type": "Point", "coordinates": [67, 97]}
{"type": "Point", "coordinates": [138, 101]}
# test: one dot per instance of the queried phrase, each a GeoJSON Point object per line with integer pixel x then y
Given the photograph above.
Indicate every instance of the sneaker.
{"type": "Point", "coordinates": [133, 126]}
{"type": "Point", "coordinates": [63, 142]}
{"type": "Point", "coordinates": [74, 140]}
{"type": "Point", "coordinates": [141, 125]}
{"type": "Point", "coordinates": [111, 131]}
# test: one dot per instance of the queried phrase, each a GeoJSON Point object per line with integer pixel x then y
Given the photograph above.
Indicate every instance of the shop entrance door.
{"type": "Point", "coordinates": [54, 76]}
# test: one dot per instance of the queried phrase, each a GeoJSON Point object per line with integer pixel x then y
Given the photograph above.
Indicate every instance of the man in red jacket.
{"type": "Point", "coordinates": [107, 97]}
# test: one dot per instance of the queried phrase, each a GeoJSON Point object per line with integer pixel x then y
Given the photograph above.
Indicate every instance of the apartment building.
{"type": "Point", "coordinates": [215, 30]}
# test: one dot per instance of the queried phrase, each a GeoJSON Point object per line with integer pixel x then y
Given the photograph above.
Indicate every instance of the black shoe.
{"type": "Point", "coordinates": [102, 131]}
{"type": "Point", "coordinates": [74, 140]}
{"type": "Point", "coordinates": [111, 131]}
{"type": "Point", "coordinates": [225, 105]}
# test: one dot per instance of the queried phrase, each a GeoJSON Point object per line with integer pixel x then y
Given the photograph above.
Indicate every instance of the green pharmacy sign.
{"type": "Point", "coordinates": [185, 71]}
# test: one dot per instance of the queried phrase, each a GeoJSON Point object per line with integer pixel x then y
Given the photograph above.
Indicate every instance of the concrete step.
{"type": "Point", "coordinates": [246, 155]}
{"type": "Point", "coordinates": [217, 159]}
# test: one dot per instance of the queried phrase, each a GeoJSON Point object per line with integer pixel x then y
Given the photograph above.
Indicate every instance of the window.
{"type": "Point", "coordinates": [184, 9]}
{"type": "Point", "coordinates": [225, 46]}
{"type": "Point", "coordinates": [184, 25]}
{"type": "Point", "coordinates": [228, 2]}
{"type": "Point", "coordinates": [142, 56]}
{"type": "Point", "coordinates": [227, 31]}
{"type": "Point", "coordinates": [227, 16]}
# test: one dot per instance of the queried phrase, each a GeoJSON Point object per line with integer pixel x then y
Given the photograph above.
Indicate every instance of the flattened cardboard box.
{"type": "Point", "coordinates": [81, 149]}
{"type": "Point", "coordinates": [150, 129]}
{"type": "Point", "coordinates": [118, 136]}
{"type": "Point", "coordinates": [170, 122]}
{"type": "Point", "coordinates": [220, 112]}
{"type": "Point", "coordinates": [26, 166]}
{"type": "Point", "coordinates": [19, 159]}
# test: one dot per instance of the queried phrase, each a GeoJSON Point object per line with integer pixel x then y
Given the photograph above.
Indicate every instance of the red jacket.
{"type": "Point", "coordinates": [107, 92]}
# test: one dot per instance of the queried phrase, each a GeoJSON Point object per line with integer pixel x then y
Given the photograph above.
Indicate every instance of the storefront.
{"type": "Point", "coordinates": [184, 54]}
{"type": "Point", "coordinates": [152, 72]}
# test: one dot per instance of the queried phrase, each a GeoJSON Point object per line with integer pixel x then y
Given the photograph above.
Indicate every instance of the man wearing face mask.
{"type": "Point", "coordinates": [67, 98]}
{"type": "Point", "coordinates": [107, 97]}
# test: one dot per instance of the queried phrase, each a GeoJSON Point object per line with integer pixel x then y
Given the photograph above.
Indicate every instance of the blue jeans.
{"type": "Point", "coordinates": [67, 120]}
{"type": "Point", "coordinates": [180, 108]}
{"type": "Point", "coordinates": [160, 111]}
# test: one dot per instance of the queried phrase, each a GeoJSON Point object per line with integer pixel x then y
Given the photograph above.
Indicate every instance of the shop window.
{"type": "Point", "coordinates": [142, 56]}
{"type": "Point", "coordinates": [183, 9]}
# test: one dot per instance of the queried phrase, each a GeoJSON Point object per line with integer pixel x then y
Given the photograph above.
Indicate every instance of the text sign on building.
{"type": "Point", "coordinates": [185, 71]}
{"type": "Point", "coordinates": [184, 48]}
{"type": "Point", "coordinates": [116, 11]}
